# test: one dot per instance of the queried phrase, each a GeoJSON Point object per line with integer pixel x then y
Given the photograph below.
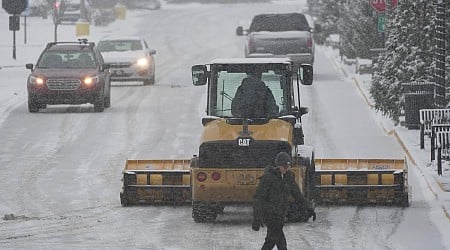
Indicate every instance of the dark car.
{"type": "Point", "coordinates": [69, 73]}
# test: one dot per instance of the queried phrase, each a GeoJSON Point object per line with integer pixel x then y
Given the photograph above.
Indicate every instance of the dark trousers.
{"type": "Point", "coordinates": [275, 235]}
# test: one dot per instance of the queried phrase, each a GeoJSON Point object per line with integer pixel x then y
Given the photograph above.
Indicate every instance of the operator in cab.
{"type": "Point", "coordinates": [253, 99]}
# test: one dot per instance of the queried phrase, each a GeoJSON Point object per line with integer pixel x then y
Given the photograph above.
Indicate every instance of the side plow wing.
{"type": "Point", "coordinates": [361, 182]}
{"type": "Point", "coordinates": [156, 182]}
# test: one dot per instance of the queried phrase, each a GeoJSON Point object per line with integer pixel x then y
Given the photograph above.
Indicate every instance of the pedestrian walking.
{"type": "Point", "coordinates": [271, 201]}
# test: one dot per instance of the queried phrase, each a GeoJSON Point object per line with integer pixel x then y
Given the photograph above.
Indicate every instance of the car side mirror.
{"type": "Point", "coordinates": [106, 66]}
{"type": "Point", "coordinates": [29, 66]}
{"type": "Point", "coordinates": [199, 75]}
{"type": "Point", "coordinates": [152, 51]}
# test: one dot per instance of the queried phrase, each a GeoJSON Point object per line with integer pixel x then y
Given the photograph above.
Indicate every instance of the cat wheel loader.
{"type": "Point", "coordinates": [234, 151]}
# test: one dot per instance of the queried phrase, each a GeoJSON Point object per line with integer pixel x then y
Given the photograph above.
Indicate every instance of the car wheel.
{"type": "Point", "coordinates": [108, 99]}
{"type": "Point", "coordinates": [32, 106]}
{"type": "Point", "coordinates": [150, 80]}
{"type": "Point", "coordinates": [99, 104]}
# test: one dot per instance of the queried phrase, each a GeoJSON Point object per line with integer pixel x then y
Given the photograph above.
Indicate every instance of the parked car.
{"type": "Point", "coordinates": [333, 41]}
{"type": "Point", "coordinates": [130, 58]}
{"type": "Point", "coordinates": [363, 66]}
{"type": "Point", "coordinates": [69, 73]}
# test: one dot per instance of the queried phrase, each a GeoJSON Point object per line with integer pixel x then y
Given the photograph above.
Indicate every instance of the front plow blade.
{"type": "Point", "coordinates": [156, 182]}
{"type": "Point", "coordinates": [361, 182]}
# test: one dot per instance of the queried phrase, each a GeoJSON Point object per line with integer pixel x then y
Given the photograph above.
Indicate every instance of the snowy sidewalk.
{"type": "Point", "coordinates": [408, 139]}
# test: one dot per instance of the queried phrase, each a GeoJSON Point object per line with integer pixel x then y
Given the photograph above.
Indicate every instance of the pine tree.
{"type": "Point", "coordinates": [408, 57]}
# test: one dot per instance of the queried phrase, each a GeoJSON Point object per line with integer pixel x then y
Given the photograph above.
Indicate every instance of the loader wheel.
{"type": "Point", "coordinates": [202, 212]}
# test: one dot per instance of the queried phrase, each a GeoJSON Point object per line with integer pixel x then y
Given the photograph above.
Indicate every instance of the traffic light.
{"type": "Point", "coordinates": [57, 5]}
{"type": "Point", "coordinates": [14, 7]}
{"type": "Point", "coordinates": [56, 11]}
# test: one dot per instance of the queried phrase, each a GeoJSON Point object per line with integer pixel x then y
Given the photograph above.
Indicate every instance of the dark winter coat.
{"type": "Point", "coordinates": [253, 99]}
{"type": "Point", "coordinates": [273, 195]}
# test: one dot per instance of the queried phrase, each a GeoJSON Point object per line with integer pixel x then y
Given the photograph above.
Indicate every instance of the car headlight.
{"type": "Point", "coordinates": [142, 62]}
{"type": "Point", "coordinates": [90, 80]}
{"type": "Point", "coordinates": [39, 81]}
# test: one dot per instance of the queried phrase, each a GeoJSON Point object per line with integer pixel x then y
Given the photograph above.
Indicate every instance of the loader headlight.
{"type": "Point", "coordinates": [38, 81]}
{"type": "Point", "coordinates": [142, 62]}
{"type": "Point", "coordinates": [90, 80]}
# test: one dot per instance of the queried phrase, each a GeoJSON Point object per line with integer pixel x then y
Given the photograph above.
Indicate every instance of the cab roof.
{"type": "Point", "coordinates": [250, 61]}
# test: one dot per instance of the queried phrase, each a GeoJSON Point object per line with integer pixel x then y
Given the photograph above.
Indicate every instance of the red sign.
{"type": "Point", "coordinates": [380, 5]}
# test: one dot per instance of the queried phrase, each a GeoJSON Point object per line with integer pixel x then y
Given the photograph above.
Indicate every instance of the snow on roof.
{"type": "Point", "coordinates": [250, 60]}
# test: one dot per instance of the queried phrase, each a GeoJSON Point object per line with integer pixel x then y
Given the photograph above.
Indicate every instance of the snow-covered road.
{"type": "Point", "coordinates": [61, 168]}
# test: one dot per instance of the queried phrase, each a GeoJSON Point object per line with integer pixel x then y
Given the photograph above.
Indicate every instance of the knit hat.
{"type": "Point", "coordinates": [283, 159]}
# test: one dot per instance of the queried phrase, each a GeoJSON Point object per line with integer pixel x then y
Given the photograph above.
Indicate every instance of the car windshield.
{"type": "Point", "coordinates": [227, 78]}
{"type": "Point", "coordinates": [119, 45]}
{"type": "Point", "coordinates": [66, 59]}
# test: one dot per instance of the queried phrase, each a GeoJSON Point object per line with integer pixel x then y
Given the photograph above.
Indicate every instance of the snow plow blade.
{"type": "Point", "coordinates": [156, 182]}
{"type": "Point", "coordinates": [361, 182]}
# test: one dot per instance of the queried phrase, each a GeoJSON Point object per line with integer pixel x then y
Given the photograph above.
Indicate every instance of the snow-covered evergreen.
{"type": "Point", "coordinates": [409, 41]}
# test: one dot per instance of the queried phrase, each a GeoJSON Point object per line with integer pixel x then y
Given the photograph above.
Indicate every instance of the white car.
{"type": "Point", "coordinates": [130, 59]}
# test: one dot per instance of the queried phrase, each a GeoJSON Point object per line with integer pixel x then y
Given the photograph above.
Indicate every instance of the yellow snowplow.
{"type": "Point", "coordinates": [337, 181]}
{"type": "Point", "coordinates": [156, 181]}
{"type": "Point", "coordinates": [234, 152]}
{"type": "Point", "coordinates": [361, 181]}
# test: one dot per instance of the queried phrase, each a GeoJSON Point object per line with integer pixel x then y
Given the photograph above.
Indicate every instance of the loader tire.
{"type": "Point", "coordinates": [203, 212]}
